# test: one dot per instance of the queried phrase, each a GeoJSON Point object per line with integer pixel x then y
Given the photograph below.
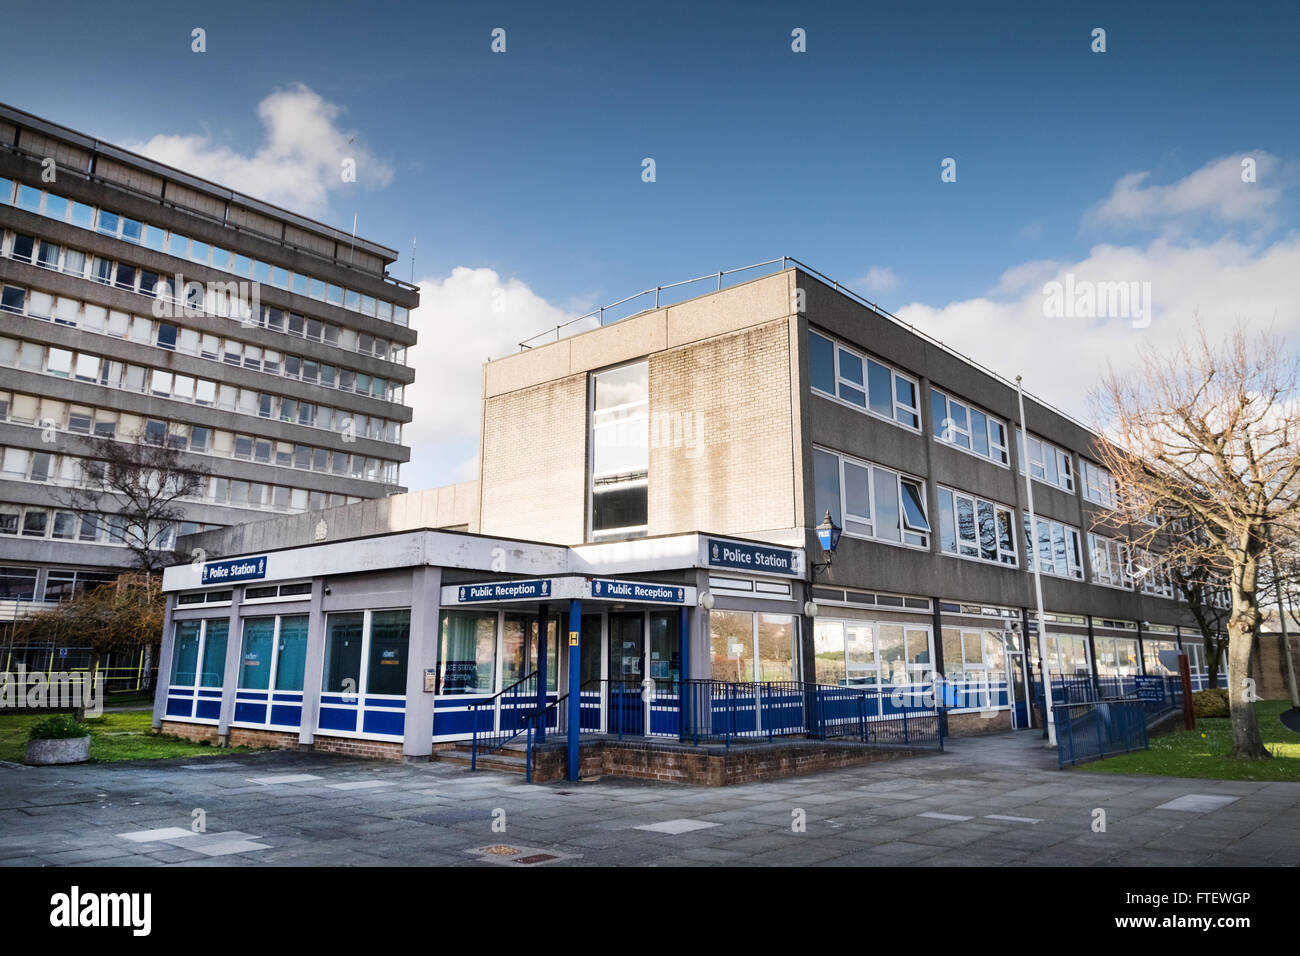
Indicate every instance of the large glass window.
{"type": "Point", "coordinates": [752, 647]}
{"type": "Point", "coordinates": [1057, 545]}
{"type": "Point", "coordinates": [844, 653]}
{"type": "Point", "coordinates": [467, 652]}
{"type": "Point", "coordinates": [1047, 463]}
{"type": "Point", "coordinates": [620, 429]}
{"type": "Point", "coordinates": [866, 383]}
{"type": "Point", "coordinates": [870, 501]}
{"type": "Point", "coordinates": [185, 653]}
{"type": "Point", "coordinates": [958, 423]}
{"type": "Point", "coordinates": [214, 652]}
{"type": "Point", "coordinates": [256, 661]}
{"type": "Point", "coordinates": [390, 633]}
{"type": "Point", "coordinates": [343, 634]}
{"type": "Point", "coordinates": [974, 528]}
{"type": "Point", "coordinates": [1110, 562]}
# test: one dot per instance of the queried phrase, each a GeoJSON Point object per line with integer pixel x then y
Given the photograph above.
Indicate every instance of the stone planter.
{"type": "Point", "coordinates": [66, 750]}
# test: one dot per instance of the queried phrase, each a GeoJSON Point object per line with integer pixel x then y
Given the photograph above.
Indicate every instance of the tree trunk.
{"type": "Point", "coordinates": [1246, 742]}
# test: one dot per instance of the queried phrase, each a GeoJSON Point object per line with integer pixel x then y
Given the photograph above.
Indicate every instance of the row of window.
{"type": "Point", "coordinates": [20, 583]}
{"type": "Point", "coordinates": [159, 383]}
{"type": "Point", "coordinates": [197, 298]}
{"type": "Point", "coordinates": [32, 521]}
{"type": "Point", "coordinates": [164, 335]}
{"type": "Point", "coordinates": [106, 222]}
{"type": "Point", "coordinates": [108, 423]}
{"type": "Point", "coordinates": [869, 501]}
{"type": "Point", "coordinates": [842, 372]}
{"type": "Point", "coordinates": [24, 464]}
{"type": "Point", "coordinates": [870, 653]}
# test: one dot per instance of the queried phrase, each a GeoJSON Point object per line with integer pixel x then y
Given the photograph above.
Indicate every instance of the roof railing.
{"type": "Point", "coordinates": [597, 316]}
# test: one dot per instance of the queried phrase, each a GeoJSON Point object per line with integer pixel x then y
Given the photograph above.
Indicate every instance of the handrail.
{"type": "Point", "coordinates": [786, 263]}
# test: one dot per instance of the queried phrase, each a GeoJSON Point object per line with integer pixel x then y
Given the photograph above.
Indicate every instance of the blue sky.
{"type": "Point", "coordinates": [522, 170]}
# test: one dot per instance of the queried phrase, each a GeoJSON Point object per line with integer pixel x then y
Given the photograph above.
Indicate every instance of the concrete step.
{"type": "Point", "coordinates": [502, 760]}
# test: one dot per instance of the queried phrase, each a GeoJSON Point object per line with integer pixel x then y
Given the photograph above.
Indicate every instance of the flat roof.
{"type": "Point", "coordinates": [23, 118]}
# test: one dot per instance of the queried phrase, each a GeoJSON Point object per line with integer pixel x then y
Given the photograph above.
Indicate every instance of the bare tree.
{"type": "Point", "coordinates": [1202, 583]}
{"type": "Point", "coordinates": [1210, 431]}
{"type": "Point", "coordinates": [138, 489]}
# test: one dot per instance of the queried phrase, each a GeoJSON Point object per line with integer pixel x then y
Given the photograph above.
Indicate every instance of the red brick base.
{"type": "Point", "coordinates": [248, 737]}
{"type": "Point", "coordinates": [352, 747]}
{"type": "Point", "coordinates": [197, 733]}
{"type": "Point", "coordinates": [707, 767]}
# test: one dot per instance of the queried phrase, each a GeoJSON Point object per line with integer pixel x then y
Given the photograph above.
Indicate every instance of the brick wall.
{"type": "Point", "coordinates": [971, 725]}
{"type": "Point", "coordinates": [709, 768]}
{"type": "Point", "coordinates": [1268, 667]}
{"type": "Point", "coordinates": [534, 461]}
{"type": "Point", "coordinates": [351, 747]}
{"type": "Point", "coordinates": [195, 732]}
{"type": "Point", "coordinates": [722, 434]}
{"type": "Point", "coordinates": [247, 737]}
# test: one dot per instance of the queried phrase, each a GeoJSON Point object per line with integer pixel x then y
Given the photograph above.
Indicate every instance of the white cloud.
{"type": "Point", "coordinates": [299, 163]}
{"type": "Point", "coordinates": [1062, 358]}
{"type": "Point", "coordinates": [1214, 192]}
{"type": "Point", "coordinates": [878, 279]}
{"type": "Point", "coordinates": [460, 328]}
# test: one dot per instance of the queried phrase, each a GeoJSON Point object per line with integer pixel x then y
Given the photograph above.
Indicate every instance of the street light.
{"type": "Point", "coordinates": [828, 534]}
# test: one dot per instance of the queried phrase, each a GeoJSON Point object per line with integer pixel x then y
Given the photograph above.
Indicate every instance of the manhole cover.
{"type": "Point", "coordinates": [536, 858]}
{"type": "Point", "coordinates": [500, 850]}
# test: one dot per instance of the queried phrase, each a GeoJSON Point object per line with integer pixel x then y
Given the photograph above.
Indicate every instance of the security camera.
{"type": "Point", "coordinates": [327, 589]}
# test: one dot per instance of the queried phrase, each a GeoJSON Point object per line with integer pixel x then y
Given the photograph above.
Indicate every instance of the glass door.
{"type": "Point", "coordinates": [627, 715]}
{"type": "Point", "coordinates": [665, 671]}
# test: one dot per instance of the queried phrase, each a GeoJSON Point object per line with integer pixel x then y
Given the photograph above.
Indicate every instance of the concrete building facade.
{"type": "Point", "coordinates": [145, 304]}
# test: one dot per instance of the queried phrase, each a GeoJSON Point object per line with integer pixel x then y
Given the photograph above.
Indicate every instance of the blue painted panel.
{"type": "Point", "coordinates": [398, 704]}
{"type": "Point", "coordinates": [338, 700]}
{"type": "Point", "coordinates": [454, 702]}
{"type": "Point", "coordinates": [285, 716]}
{"type": "Point", "coordinates": [250, 695]}
{"type": "Point", "coordinates": [250, 713]}
{"type": "Point", "coordinates": [666, 716]}
{"type": "Point", "coordinates": [180, 692]}
{"type": "Point", "coordinates": [177, 707]}
{"type": "Point", "coordinates": [208, 709]}
{"type": "Point", "coordinates": [215, 692]}
{"type": "Point", "coordinates": [449, 723]}
{"type": "Point", "coordinates": [291, 697]}
{"type": "Point", "coordinates": [332, 718]}
{"type": "Point", "coordinates": [384, 722]}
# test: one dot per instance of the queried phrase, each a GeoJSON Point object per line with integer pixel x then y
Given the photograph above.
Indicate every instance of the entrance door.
{"type": "Point", "coordinates": [665, 670]}
{"type": "Point", "coordinates": [1017, 690]}
{"type": "Point", "coordinates": [591, 689]}
{"type": "Point", "coordinates": [627, 713]}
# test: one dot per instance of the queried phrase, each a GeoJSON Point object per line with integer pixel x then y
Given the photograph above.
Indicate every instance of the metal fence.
{"type": "Point", "coordinates": [1103, 728]}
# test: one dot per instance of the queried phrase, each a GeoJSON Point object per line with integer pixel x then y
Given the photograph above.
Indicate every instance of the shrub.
{"type": "Point", "coordinates": [1210, 703]}
{"type": "Point", "coordinates": [61, 727]}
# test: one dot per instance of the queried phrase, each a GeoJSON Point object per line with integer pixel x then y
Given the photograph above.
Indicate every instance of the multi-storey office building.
{"type": "Point", "coordinates": [694, 449]}
{"type": "Point", "coordinates": [141, 303]}
{"type": "Point", "coordinates": [757, 409]}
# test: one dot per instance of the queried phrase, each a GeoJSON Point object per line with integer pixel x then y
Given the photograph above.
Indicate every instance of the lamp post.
{"type": "Point", "coordinates": [1038, 580]}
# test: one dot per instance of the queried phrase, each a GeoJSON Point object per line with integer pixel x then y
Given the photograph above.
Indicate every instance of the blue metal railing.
{"type": "Point", "coordinates": [1092, 730]}
{"type": "Point", "coordinates": [513, 705]}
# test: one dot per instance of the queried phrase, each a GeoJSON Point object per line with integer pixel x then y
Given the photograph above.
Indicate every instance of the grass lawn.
{"type": "Point", "coordinates": [121, 735]}
{"type": "Point", "coordinates": [1203, 752]}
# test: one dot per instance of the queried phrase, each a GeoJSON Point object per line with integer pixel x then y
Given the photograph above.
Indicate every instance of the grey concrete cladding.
{"type": "Point", "coordinates": [99, 174]}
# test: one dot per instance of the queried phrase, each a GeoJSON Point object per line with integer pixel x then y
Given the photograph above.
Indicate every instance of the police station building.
{"type": "Point", "coordinates": [646, 511]}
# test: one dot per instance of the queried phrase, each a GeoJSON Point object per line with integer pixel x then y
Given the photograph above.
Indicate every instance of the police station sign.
{"type": "Point", "coordinates": [750, 557]}
{"type": "Point", "coordinates": [233, 571]}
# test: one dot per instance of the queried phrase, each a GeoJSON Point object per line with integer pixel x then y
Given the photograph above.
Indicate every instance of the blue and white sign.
{"type": "Point", "coordinates": [238, 569]}
{"type": "Point", "coordinates": [637, 591]}
{"type": "Point", "coordinates": [504, 591]}
{"type": "Point", "coordinates": [1150, 688]}
{"type": "Point", "coordinates": [750, 557]}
